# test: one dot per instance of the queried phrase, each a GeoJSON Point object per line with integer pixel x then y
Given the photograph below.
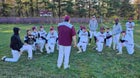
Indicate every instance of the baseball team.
{"type": "Point", "coordinates": [65, 36]}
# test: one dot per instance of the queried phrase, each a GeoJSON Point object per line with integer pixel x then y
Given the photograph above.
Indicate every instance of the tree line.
{"type": "Point", "coordinates": [74, 8]}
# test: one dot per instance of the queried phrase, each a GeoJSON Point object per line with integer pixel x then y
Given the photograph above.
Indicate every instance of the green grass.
{"type": "Point", "coordinates": [84, 65]}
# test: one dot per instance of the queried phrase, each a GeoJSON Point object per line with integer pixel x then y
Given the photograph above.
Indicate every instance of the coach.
{"type": "Point", "coordinates": [66, 33]}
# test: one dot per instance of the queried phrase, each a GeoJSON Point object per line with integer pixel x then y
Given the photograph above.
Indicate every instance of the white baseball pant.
{"type": "Point", "coordinates": [64, 53]}
{"type": "Point", "coordinates": [129, 47]}
{"type": "Point", "coordinates": [82, 45]}
{"type": "Point", "coordinates": [99, 46]}
{"type": "Point", "coordinates": [16, 54]}
{"type": "Point", "coordinates": [116, 41]}
{"type": "Point", "coordinates": [131, 33]}
{"type": "Point", "coordinates": [109, 42]}
{"type": "Point", "coordinates": [92, 34]}
{"type": "Point", "coordinates": [50, 48]}
{"type": "Point", "coordinates": [41, 44]}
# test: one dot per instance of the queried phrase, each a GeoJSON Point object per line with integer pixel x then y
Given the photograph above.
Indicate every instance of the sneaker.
{"type": "Point", "coordinates": [41, 51]}
{"type": "Point", "coordinates": [58, 67]}
{"type": "Point", "coordinates": [94, 48]}
{"type": "Point", "coordinates": [119, 53]}
{"type": "Point", "coordinates": [29, 58]}
{"type": "Point", "coordinates": [3, 58]}
{"type": "Point", "coordinates": [79, 51]}
{"type": "Point", "coordinates": [66, 67]}
{"type": "Point", "coordinates": [89, 44]}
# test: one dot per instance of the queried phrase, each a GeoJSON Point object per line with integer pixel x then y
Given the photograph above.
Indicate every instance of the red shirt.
{"type": "Point", "coordinates": [65, 33]}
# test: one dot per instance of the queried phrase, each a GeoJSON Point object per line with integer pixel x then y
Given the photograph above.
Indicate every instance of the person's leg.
{"type": "Point", "coordinates": [114, 42]}
{"type": "Point", "coordinates": [60, 56]}
{"type": "Point", "coordinates": [42, 43]}
{"type": "Point", "coordinates": [130, 48]}
{"type": "Point", "coordinates": [84, 47]}
{"type": "Point", "coordinates": [27, 48]}
{"type": "Point", "coordinates": [120, 45]}
{"type": "Point", "coordinates": [132, 34]}
{"type": "Point", "coordinates": [67, 50]}
{"type": "Point", "coordinates": [16, 56]}
{"type": "Point", "coordinates": [107, 42]}
{"type": "Point", "coordinates": [101, 47]}
{"type": "Point", "coordinates": [79, 48]}
{"type": "Point", "coordinates": [91, 35]}
{"type": "Point", "coordinates": [47, 48]}
{"type": "Point", "coordinates": [94, 33]}
{"type": "Point", "coordinates": [52, 48]}
{"type": "Point", "coordinates": [98, 46]}
{"type": "Point", "coordinates": [117, 43]}
{"type": "Point", "coordinates": [110, 42]}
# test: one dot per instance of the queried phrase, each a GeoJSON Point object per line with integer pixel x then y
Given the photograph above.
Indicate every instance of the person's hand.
{"type": "Point", "coordinates": [20, 53]}
{"type": "Point", "coordinates": [25, 44]}
{"type": "Point", "coordinates": [74, 45]}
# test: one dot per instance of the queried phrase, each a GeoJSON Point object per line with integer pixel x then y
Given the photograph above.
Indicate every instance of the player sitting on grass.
{"type": "Point", "coordinates": [83, 41]}
{"type": "Point", "coordinates": [36, 36]}
{"type": "Point", "coordinates": [17, 47]}
{"type": "Point", "coordinates": [126, 41]}
{"type": "Point", "coordinates": [42, 38]}
{"type": "Point", "coordinates": [78, 32]}
{"type": "Point", "coordinates": [51, 40]}
{"type": "Point", "coordinates": [30, 39]}
{"type": "Point", "coordinates": [108, 37]}
{"type": "Point", "coordinates": [101, 36]}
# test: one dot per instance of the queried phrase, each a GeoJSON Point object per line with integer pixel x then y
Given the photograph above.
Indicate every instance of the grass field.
{"type": "Point", "coordinates": [84, 65]}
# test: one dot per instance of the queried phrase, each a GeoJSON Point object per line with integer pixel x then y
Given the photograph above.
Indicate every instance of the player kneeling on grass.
{"type": "Point", "coordinates": [101, 36]}
{"type": "Point", "coordinates": [42, 38]}
{"type": "Point", "coordinates": [78, 32]}
{"type": "Point", "coordinates": [30, 39]}
{"type": "Point", "coordinates": [17, 47]}
{"type": "Point", "coordinates": [108, 37]}
{"type": "Point", "coordinates": [117, 29]}
{"type": "Point", "coordinates": [126, 41]}
{"type": "Point", "coordinates": [51, 40]}
{"type": "Point", "coordinates": [83, 41]}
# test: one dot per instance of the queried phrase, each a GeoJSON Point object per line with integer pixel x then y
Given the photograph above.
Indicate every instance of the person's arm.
{"type": "Point", "coordinates": [74, 40]}
{"type": "Point", "coordinates": [15, 43]}
{"type": "Point", "coordinates": [74, 36]}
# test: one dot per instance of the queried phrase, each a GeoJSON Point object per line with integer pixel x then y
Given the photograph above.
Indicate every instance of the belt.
{"type": "Point", "coordinates": [84, 42]}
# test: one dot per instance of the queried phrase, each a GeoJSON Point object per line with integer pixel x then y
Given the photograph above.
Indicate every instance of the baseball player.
{"type": "Point", "coordinates": [83, 41]}
{"type": "Point", "coordinates": [108, 37]}
{"type": "Point", "coordinates": [30, 39]}
{"type": "Point", "coordinates": [66, 34]}
{"type": "Point", "coordinates": [78, 32]}
{"type": "Point", "coordinates": [117, 29]}
{"type": "Point", "coordinates": [93, 25]}
{"type": "Point", "coordinates": [51, 40]}
{"type": "Point", "coordinates": [42, 38]}
{"type": "Point", "coordinates": [130, 26]}
{"type": "Point", "coordinates": [126, 41]}
{"type": "Point", "coordinates": [101, 36]}
{"type": "Point", "coordinates": [18, 47]}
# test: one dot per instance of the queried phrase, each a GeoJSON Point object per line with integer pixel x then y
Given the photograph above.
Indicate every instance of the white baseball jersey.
{"type": "Point", "coordinates": [130, 26]}
{"type": "Point", "coordinates": [35, 34]}
{"type": "Point", "coordinates": [93, 25]}
{"type": "Point", "coordinates": [83, 36]}
{"type": "Point", "coordinates": [128, 39]}
{"type": "Point", "coordinates": [42, 33]}
{"type": "Point", "coordinates": [52, 37]}
{"type": "Point", "coordinates": [79, 31]}
{"type": "Point", "coordinates": [100, 37]}
{"type": "Point", "coordinates": [117, 29]}
{"type": "Point", "coordinates": [129, 44]}
{"type": "Point", "coordinates": [109, 33]}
